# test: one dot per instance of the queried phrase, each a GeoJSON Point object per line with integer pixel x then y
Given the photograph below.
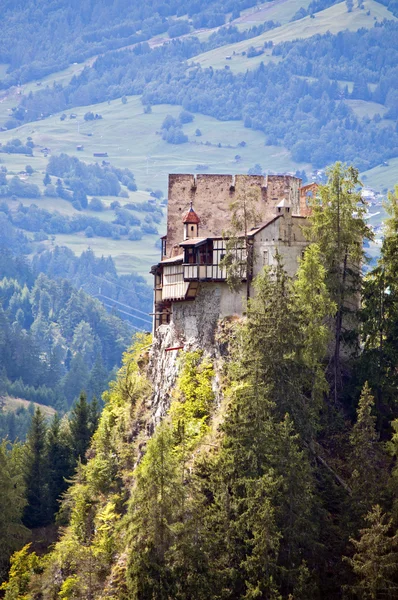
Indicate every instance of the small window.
{"type": "Point", "coordinates": [192, 228]}
{"type": "Point", "coordinates": [265, 257]}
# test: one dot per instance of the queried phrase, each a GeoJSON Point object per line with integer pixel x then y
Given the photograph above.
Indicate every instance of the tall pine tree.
{"type": "Point", "coordinates": [80, 428]}
{"type": "Point", "coordinates": [375, 560]}
{"type": "Point", "coordinates": [37, 511]}
{"type": "Point", "coordinates": [337, 225]}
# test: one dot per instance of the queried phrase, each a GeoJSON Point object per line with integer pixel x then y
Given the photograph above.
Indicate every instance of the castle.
{"type": "Point", "coordinates": [191, 291]}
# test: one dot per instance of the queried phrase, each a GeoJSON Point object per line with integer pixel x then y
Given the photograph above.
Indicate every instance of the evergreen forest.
{"type": "Point", "coordinates": [271, 472]}
{"type": "Point", "coordinates": [262, 465]}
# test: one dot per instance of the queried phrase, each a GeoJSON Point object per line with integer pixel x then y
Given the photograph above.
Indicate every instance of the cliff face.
{"type": "Point", "coordinates": [155, 386]}
{"type": "Point", "coordinates": [162, 411]}
{"type": "Point", "coordinates": [195, 327]}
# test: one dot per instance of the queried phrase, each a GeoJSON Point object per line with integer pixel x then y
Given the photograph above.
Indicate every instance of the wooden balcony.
{"type": "Point", "coordinates": [204, 273]}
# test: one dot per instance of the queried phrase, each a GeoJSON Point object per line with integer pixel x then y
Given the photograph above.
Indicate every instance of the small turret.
{"type": "Point", "coordinates": [284, 208]}
{"type": "Point", "coordinates": [191, 224]}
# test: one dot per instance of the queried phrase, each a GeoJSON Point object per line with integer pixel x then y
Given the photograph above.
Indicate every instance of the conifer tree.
{"type": "Point", "coordinates": [193, 555]}
{"type": "Point", "coordinates": [76, 378]}
{"type": "Point", "coordinates": [80, 428]}
{"type": "Point", "coordinates": [368, 469]}
{"type": "Point", "coordinates": [155, 507]}
{"type": "Point", "coordinates": [314, 307]}
{"type": "Point", "coordinates": [380, 320]}
{"type": "Point", "coordinates": [263, 483]}
{"type": "Point", "coordinates": [12, 503]}
{"type": "Point", "coordinates": [94, 415]}
{"type": "Point", "coordinates": [375, 561]}
{"type": "Point", "coordinates": [98, 379]}
{"type": "Point", "coordinates": [36, 512]}
{"type": "Point", "coordinates": [59, 462]}
{"type": "Point", "coordinates": [337, 225]}
{"type": "Point", "coordinates": [270, 345]}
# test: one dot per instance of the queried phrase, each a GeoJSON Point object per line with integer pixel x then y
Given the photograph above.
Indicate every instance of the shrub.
{"type": "Point", "coordinates": [148, 228]}
{"type": "Point", "coordinates": [185, 117]}
{"type": "Point", "coordinates": [96, 204]}
{"type": "Point", "coordinates": [135, 234]}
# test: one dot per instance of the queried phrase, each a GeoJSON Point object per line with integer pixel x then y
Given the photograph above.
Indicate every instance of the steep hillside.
{"type": "Point", "coordinates": [332, 20]}
{"type": "Point", "coordinates": [232, 467]}
{"type": "Point", "coordinates": [37, 40]}
{"type": "Point", "coordinates": [314, 130]}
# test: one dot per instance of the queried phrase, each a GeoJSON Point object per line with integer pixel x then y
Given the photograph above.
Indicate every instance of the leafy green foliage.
{"type": "Point", "coordinates": [193, 400]}
{"type": "Point", "coordinates": [24, 565]}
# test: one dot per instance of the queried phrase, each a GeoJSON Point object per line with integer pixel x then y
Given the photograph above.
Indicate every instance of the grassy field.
{"type": "Point", "coordinates": [129, 136]}
{"type": "Point", "coordinates": [128, 256]}
{"type": "Point", "coordinates": [366, 109]}
{"type": "Point", "coordinates": [279, 10]}
{"type": "Point", "coordinates": [60, 77]}
{"type": "Point", "coordinates": [131, 140]}
{"type": "Point", "coordinates": [382, 177]}
{"type": "Point", "coordinates": [333, 19]}
{"type": "Point", "coordinates": [12, 405]}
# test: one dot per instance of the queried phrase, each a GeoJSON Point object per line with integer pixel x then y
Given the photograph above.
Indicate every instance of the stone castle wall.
{"type": "Point", "coordinates": [212, 195]}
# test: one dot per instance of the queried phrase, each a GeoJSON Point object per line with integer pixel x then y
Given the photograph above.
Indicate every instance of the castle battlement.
{"type": "Point", "coordinates": [198, 214]}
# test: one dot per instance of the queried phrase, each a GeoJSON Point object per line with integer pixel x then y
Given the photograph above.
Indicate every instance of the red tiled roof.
{"type": "Point", "coordinates": [191, 217]}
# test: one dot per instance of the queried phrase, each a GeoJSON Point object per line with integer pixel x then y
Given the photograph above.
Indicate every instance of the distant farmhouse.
{"type": "Point", "coordinates": [191, 290]}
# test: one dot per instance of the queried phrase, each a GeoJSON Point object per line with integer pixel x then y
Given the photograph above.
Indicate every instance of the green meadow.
{"type": "Point", "coordinates": [333, 19]}
{"type": "Point", "coordinates": [132, 139]}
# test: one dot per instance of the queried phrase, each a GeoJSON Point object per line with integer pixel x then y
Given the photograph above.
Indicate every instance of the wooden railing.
{"type": "Point", "coordinates": [204, 272]}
